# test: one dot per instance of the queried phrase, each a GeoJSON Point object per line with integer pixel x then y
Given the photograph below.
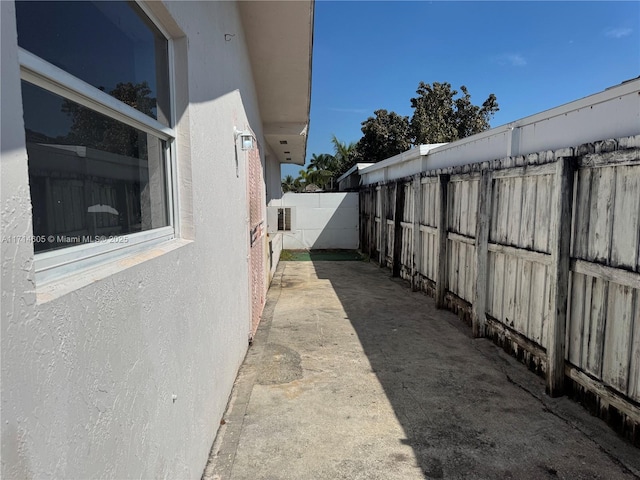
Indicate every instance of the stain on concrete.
{"type": "Point", "coordinates": [400, 457]}
{"type": "Point", "coordinates": [280, 365]}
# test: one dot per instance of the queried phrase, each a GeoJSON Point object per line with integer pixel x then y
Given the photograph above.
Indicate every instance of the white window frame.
{"type": "Point", "coordinates": [287, 213]}
{"type": "Point", "coordinates": [54, 264]}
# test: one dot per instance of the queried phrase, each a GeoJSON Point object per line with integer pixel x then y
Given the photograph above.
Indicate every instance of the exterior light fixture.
{"type": "Point", "coordinates": [247, 141]}
{"type": "Point", "coordinates": [246, 138]}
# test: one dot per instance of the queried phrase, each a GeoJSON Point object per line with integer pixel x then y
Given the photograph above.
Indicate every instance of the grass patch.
{"type": "Point", "coordinates": [321, 255]}
{"type": "Point", "coordinates": [287, 255]}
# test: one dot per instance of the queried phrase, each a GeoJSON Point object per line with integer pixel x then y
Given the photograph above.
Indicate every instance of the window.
{"type": "Point", "coordinates": [284, 219]}
{"type": "Point", "coordinates": [98, 126]}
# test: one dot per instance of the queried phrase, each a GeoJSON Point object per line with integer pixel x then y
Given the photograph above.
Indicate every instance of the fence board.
{"type": "Point", "coordinates": [452, 251]}
{"type": "Point", "coordinates": [521, 253]}
{"type": "Point", "coordinates": [390, 237]}
{"type": "Point", "coordinates": [495, 209]}
{"type": "Point", "coordinates": [626, 211]}
{"type": "Point", "coordinates": [510, 284]}
{"type": "Point", "coordinates": [452, 205]}
{"type": "Point", "coordinates": [597, 317]}
{"type": "Point", "coordinates": [490, 281]}
{"type": "Point", "coordinates": [634, 365]}
{"type": "Point", "coordinates": [515, 211]}
{"type": "Point", "coordinates": [503, 211]}
{"type": "Point", "coordinates": [474, 194]}
{"type": "Point", "coordinates": [408, 203]}
{"type": "Point", "coordinates": [622, 277]}
{"type": "Point", "coordinates": [586, 323]}
{"type": "Point", "coordinates": [463, 226]}
{"type": "Point", "coordinates": [582, 214]}
{"type": "Point", "coordinates": [432, 195]}
{"type": "Point", "coordinates": [469, 287]}
{"type": "Point", "coordinates": [498, 284]}
{"type": "Point", "coordinates": [577, 320]}
{"type": "Point", "coordinates": [442, 257]}
{"type": "Point", "coordinates": [523, 296]}
{"type": "Point", "coordinates": [462, 271]}
{"type": "Point", "coordinates": [528, 212]}
{"type": "Point", "coordinates": [543, 213]}
{"type": "Point", "coordinates": [426, 268]}
{"type": "Point", "coordinates": [600, 210]}
{"type": "Point", "coordinates": [617, 344]}
{"type": "Point", "coordinates": [537, 302]}
{"type": "Point", "coordinates": [406, 258]}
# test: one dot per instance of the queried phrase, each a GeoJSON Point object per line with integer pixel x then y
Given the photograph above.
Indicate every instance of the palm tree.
{"type": "Point", "coordinates": [324, 161]}
{"type": "Point", "coordinates": [288, 184]}
{"type": "Point", "coordinates": [344, 154]}
{"type": "Point", "coordinates": [342, 150]}
{"type": "Point", "coordinates": [322, 169]}
{"type": "Point", "coordinates": [307, 177]}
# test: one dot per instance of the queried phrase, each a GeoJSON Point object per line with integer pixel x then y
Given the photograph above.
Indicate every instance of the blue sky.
{"type": "Point", "coordinates": [532, 55]}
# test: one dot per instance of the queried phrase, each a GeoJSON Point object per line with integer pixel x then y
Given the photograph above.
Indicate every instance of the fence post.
{"type": "Point", "coordinates": [372, 220]}
{"type": "Point", "coordinates": [397, 230]}
{"type": "Point", "coordinates": [561, 204]}
{"type": "Point", "coordinates": [483, 225]}
{"type": "Point", "coordinates": [382, 254]}
{"type": "Point", "coordinates": [441, 280]}
{"type": "Point", "coordinates": [362, 217]}
{"type": "Point", "coordinates": [417, 244]}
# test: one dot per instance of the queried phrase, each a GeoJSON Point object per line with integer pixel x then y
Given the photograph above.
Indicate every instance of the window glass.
{"type": "Point", "coordinates": [90, 176]}
{"type": "Point", "coordinates": [110, 45]}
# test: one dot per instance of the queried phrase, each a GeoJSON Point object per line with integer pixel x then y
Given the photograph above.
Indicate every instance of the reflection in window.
{"type": "Point", "coordinates": [90, 175]}
{"type": "Point", "coordinates": [110, 45]}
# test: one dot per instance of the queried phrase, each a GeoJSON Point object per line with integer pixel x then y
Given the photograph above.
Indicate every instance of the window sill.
{"type": "Point", "coordinates": [66, 284]}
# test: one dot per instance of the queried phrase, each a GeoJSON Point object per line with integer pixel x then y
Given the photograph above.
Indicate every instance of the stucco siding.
{"type": "Point", "coordinates": [320, 220]}
{"type": "Point", "coordinates": [128, 374]}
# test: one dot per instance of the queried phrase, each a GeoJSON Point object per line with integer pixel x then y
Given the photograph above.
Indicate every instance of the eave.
{"type": "Point", "coordinates": [279, 36]}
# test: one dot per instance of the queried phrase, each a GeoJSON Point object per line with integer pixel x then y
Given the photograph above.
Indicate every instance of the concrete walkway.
{"type": "Point", "coordinates": [353, 376]}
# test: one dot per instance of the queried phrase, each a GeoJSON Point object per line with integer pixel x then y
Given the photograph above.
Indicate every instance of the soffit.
{"type": "Point", "coordinates": [279, 36]}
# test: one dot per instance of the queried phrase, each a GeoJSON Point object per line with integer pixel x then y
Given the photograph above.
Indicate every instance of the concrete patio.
{"type": "Point", "coordinates": [353, 376]}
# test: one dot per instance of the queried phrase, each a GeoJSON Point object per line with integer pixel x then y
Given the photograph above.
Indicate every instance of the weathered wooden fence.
{"type": "Point", "coordinates": [541, 253]}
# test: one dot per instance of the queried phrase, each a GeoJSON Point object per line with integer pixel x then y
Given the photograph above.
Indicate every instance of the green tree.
{"type": "Point", "coordinates": [310, 177]}
{"type": "Point", "coordinates": [385, 135]}
{"type": "Point", "coordinates": [345, 155]}
{"type": "Point", "coordinates": [92, 129]}
{"type": "Point", "coordinates": [324, 161]}
{"type": "Point", "coordinates": [438, 117]}
{"type": "Point", "coordinates": [322, 169]}
{"type": "Point", "coordinates": [289, 184]}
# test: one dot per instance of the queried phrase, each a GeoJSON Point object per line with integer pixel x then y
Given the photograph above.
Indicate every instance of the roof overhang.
{"type": "Point", "coordinates": [279, 36]}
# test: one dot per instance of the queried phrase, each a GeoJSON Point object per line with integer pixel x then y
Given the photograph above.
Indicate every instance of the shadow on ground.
{"type": "Point", "coordinates": [352, 376]}
{"type": "Point", "coordinates": [467, 409]}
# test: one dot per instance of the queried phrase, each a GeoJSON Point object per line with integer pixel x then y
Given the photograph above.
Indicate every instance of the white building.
{"type": "Point", "coordinates": [139, 147]}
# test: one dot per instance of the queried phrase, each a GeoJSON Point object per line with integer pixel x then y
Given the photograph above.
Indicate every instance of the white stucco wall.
{"type": "Point", "coordinates": [273, 179]}
{"type": "Point", "coordinates": [125, 373]}
{"type": "Point", "coordinates": [320, 220]}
